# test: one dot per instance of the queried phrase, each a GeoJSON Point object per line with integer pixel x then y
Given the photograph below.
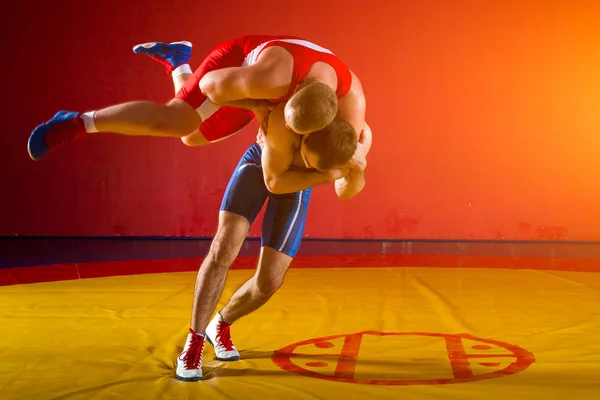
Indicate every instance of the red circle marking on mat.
{"type": "Point", "coordinates": [459, 362]}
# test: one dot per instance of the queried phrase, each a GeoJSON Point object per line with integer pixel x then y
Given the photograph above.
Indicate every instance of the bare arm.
{"type": "Point", "coordinates": [278, 156]}
{"type": "Point", "coordinates": [350, 185]}
{"type": "Point", "coordinates": [352, 108]}
{"type": "Point", "coordinates": [353, 183]}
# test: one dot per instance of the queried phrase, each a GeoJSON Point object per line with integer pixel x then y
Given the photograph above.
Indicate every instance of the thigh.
{"type": "Point", "coordinates": [246, 191]}
{"type": "Point", "coordinates": [283, 225]}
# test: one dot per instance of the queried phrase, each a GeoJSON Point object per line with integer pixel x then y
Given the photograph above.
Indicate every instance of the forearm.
{"type": "Point", "coordinates": [349, 186]}
{"type": "Point", "coordinates": [292, 181]}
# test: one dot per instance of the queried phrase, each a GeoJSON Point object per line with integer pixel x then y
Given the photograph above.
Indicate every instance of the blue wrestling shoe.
{"type": "Point", "coordinates": [171, 55]}
{"type": "Point", "coordinates": [64, 126]}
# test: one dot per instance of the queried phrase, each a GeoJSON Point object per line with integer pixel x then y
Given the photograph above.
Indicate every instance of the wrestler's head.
{"type": "Point", "coordinates": [329, 148]}
{"type": "Point", "coordinates": [312, 107]}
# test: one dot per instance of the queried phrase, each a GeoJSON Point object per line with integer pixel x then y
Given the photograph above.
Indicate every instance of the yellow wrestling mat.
{"type": "Point", "coordinates": [364, 333]}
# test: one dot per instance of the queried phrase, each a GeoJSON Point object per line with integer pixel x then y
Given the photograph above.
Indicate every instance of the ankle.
{"type": "Point", "coordinates": [223, 316]}
{"type": "Point", "coordinates": [183, 69]}
{"type": "Point", "coordinates": [88, 122]}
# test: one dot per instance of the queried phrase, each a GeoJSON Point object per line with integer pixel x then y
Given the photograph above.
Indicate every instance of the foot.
{"type": "Point", "coordinates": [218, 334]}
{"type": "Point", "coordinates": [171, 55]}
{"type": "Point", "coordinates": [189, 362]}
{"type": "Point", "coordinates": [64, 126]}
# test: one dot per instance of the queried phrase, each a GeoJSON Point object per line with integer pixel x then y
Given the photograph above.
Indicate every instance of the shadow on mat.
{"type": "Point", "coordinates": [380, 369]}
{"type": "Point", "coordinates": [408, 363]}
{"type": "Point", "coordinates": [220, 372]}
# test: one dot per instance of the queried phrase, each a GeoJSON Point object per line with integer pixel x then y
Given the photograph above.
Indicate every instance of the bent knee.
{"type": "Point", "coordinates": [222, 254]}
{"type": "Point", "coordinates": [224, 249]}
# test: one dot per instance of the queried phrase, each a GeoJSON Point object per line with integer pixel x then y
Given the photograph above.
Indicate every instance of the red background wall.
{"type": "Point", "coordinates": [485, 116]}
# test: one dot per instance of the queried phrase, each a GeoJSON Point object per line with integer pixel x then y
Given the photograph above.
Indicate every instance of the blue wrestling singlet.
{"type": "Point", "coordinates": [283, 224]}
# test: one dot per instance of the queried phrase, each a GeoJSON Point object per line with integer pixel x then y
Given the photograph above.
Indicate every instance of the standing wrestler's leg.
{"type": "Point", "coordinates": [241, 204]}
{"type": "Point", "coordinates": [209, 285]}
{"type": "Point", "coordinates": [283, 227]}
{"type": "Point", "coordinates": [224, 248]}
{"type": "Point", "coordinates": [272, 267]}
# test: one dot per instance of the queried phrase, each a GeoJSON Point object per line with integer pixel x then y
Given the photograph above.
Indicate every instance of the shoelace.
{"type": "Point", "coordinates": [193, 355]}
{"type": "Point", "coordinates": [224, 335]}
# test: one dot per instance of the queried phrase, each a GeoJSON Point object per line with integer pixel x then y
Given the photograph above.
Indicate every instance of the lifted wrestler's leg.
{"type": "Point", "coordinates": [175, 57]}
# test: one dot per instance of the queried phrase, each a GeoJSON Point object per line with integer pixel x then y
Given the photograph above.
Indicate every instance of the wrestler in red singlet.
{"type": "Point", "coordinates": [140, 118]}
{"type": "Point", "coordinates": [221, 122]}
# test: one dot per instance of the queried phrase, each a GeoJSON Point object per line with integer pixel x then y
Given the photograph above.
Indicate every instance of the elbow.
{"type": "Point", "coordinates": [272, 186]}
{"type": "Point", "coordinates": [276, 186]}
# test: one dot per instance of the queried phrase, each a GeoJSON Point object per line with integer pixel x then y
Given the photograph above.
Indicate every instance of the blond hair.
{"type": "Point", "coordinates": [311, 108]}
